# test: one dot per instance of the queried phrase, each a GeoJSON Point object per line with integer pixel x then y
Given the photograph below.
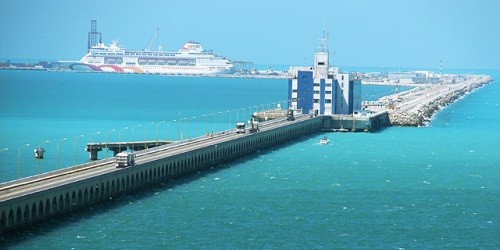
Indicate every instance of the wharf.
{"type": "Point", "coordinates": [117, 147]}
{"type": "Point", "coordinates": [415, 107]}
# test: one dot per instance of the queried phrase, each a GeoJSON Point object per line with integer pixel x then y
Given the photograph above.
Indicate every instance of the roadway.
{"type": "Point", "coordinates": [412, 100]}
{"type": "Point", "coordinates": [73, 174]}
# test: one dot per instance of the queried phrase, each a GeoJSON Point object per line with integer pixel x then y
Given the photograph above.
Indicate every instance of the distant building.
{"type": "Point", "coordinates": [322, 88]}
{"type": "Point", "coordinates": [412, 77]}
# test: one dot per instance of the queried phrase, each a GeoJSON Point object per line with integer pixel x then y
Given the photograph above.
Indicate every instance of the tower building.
{"type": "Point", "coordinates": [323, 88]}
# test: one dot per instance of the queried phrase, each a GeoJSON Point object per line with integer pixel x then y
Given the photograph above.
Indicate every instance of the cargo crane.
{"type": "Point", "coordinates": [148, 46]}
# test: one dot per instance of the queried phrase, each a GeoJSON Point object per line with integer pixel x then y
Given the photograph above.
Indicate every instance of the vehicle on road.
{"type": "Point", "coordinates": [240, 127]}
{"type": "Point", "coordinates": [254, 126]}
{"type": "Point", "coordinates": [125, 159]}
{"type": "Point", "coordinates": [289, 115]}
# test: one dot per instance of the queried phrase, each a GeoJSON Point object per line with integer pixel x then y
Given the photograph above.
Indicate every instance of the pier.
{"type": "Point", "coordinates": [117, 147]}
{"type": "Point", "coordinates": [25, 201]}
{"type": "Point", "coordinates": [28, 200]}
{"type": "Point", "coordinates": [416, 106]}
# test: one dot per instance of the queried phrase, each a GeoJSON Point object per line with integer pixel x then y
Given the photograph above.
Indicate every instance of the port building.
{"type": "Point", "coordinates": [323, 89]}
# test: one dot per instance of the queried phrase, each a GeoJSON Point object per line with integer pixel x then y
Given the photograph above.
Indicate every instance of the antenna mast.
{"type": "Point", "coordinates": [93, 34]}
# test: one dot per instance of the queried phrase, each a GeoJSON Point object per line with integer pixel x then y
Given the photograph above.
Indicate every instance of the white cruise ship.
{"type": "Point", "coordinates": [191, 59]}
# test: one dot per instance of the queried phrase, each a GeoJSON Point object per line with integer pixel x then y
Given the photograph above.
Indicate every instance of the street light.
{"type": "Point", "coordinates": [133, 136]}
{"type": "Point", "coordinates": [58, 150]}
{"type": "Point", "coordinates": [39, 157]}
{"type": "Point", "coordinates": [106, 137]}
{"type": "Point", "coordinates": [157, 125]}
{"type": "Point", "coordinates": [96, 133]}
{"type": "Point", "coordinates": [74, 149]}
{"type": "Point", "coordinates": [146, 133]}
{"type": "Point", "coordinates": [19, 160]}
{"type": "Point", "coordinates": [214, 124]}
{"type": "Point", "coordinates": [120, 139]}
{"type": "Point", "coordinates": [168, 125]}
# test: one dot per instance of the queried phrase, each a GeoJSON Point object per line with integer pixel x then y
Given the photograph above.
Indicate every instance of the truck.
{"type": "Point", "coordinates": [240, 127]}
{"type": "Point", "coordinates": [289, 115]}
{"type": "Point", "coordinates": [254, 126]}
{"type": "Point", "coordinates": [125, 159]}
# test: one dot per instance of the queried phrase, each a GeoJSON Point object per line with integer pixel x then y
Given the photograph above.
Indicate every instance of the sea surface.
{"type": "Point", "coordinates": [400, 188]}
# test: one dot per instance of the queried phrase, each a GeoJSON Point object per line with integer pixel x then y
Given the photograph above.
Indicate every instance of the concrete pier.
{"type": "Point", "coordinates": [35, 198]}
{"type": "Point", "coordinates": [117, 147]}
{"type": "Point", "coordinates": [415, 107]}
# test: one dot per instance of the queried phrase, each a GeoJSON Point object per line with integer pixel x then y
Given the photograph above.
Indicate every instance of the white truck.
{"type": "Point", "coordinates": [125, 159]}
{"type": "Point", "coordinates": [240, 127]}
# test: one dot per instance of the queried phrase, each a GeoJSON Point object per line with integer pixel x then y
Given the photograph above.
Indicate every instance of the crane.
{"type": "Point", "coordinates": [148, 46]}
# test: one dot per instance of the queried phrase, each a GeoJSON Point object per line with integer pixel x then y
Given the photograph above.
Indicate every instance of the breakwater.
{"type": "Point", "coordinates": [415, 108]}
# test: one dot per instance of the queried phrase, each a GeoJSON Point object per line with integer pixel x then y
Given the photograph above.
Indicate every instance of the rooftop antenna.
{"type": "Point", "coordinates": [323, 42]}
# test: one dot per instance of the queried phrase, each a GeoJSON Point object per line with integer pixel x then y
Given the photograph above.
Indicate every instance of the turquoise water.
{"type": "Point", "coordinates": [432, 187]}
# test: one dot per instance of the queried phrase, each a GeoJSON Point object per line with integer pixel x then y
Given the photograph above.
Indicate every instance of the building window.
{"type": "Point", "coordinates": [342, 77]}
{"type": "Point", "coordinates": [316, 84]}
{"type": "Point", "coordinates": [328, 92]}
{"type": "Point", "coordinates": [316, 92]}
{"type": "Point", "coordinates": [316, 100]}
{"type": "Point", "coordinates": [328, 100]}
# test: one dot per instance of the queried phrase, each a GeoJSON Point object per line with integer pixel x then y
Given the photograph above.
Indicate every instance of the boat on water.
{"type": "Point", "coordinates": [191, 59]}
{"type": "Point", "coordinates": [324, 141]}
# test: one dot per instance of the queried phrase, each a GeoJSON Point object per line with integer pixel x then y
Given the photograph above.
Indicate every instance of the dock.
{"type": "Point", "coordinates": [117, 147]}
{"type": "Point", "coordinates": [416, 106]}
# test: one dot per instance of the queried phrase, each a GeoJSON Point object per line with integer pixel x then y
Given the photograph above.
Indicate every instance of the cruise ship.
{"type": "Point", "coordinates": [191, 59]}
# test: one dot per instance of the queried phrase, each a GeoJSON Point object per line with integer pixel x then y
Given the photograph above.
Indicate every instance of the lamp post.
{"type": "Point", "coordinates": [206, 117]}
{"type": "Point", "coordinates": [96, 133]}
{"type": "Point", "coordinates": [40, 156]}
{"type": "Point", "coordinates": [222, 120]}
{"type": "Point", "coordinates": [168, 125]}
{"type": "Point", "coordinates": [133, 136]}
{"type": "Point", "coordinates": [214, 124]}
{"type": "Point", "coordinates": [237, 114]}
{"type": "Point", "coordinates": [120, 139]}
{"type": "Point", "coordinates": [58, 150]}
{"type": "Point", "coordinates": [146, 133]}
{"type": "Point", "coordinates": [106, 137]}
{"type": "Point", "coordinates": [179, 127]}
{"type": "Point", "coordinates": [157, 125]}
{"type": "Point", "coordinates": [74, 149]}
{"type": "Point", "coordinates": [19, 160]}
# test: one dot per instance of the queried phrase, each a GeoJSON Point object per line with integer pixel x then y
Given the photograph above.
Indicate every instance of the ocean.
{"type": "Point", "coordinates": [399, 188]}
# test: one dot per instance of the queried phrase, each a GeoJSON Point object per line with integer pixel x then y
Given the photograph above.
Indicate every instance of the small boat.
{"type": "Point", "coordinates": [324, 141]}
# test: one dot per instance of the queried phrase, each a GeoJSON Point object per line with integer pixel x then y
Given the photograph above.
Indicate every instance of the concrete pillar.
{"type": "Point", "coordinates": [93, 153]}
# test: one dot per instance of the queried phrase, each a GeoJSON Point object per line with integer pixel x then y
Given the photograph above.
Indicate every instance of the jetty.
{"type": "Point", "coordinates": [36, 198]}
{"type": "Point", "coordinates": [416, 106]}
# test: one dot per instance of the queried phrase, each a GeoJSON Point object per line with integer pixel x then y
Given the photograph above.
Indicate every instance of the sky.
{"type": "Point", "coordinates": [463, 34]}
